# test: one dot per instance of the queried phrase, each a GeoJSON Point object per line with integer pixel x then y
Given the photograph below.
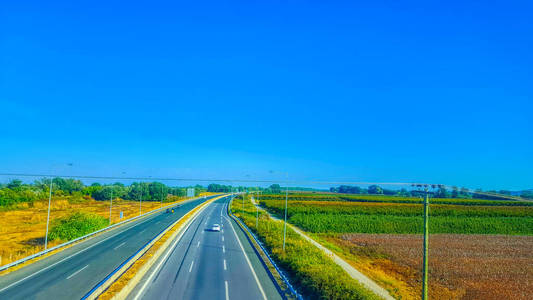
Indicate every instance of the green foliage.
{"type": "Point", "coordinates": [76, 225]}
{"type": "Point", "coordinates": [313, 272]}
{"type": "Point", "coordinates": [374, 189]}
{"type": "Point", "coordinates": [68, 185]}
{"type": "Point", "coordinates": [219, 188]}
{"type": "Point", "coordinates": [341, 217]}
{"type": "Point", "coordinates": [10, 197]}
{"type": "Point", "coordinates": [393, 199]}
{"type": "Point", "coordinates": [108, 191]}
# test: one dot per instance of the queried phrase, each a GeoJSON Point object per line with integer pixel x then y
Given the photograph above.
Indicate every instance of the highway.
{"type": "Point", "coordinates": [73, 272]}
{"type": "Point", "coordinates": [204, 264]}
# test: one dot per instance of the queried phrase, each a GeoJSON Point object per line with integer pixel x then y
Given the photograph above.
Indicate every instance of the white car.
{"type": "Point", "coordinates": [215, 227]}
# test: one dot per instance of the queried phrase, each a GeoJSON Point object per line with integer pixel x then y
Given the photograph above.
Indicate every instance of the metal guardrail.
{"type": "Point", "coordinates": [143, 248]}
{"type": "Point", "coordinates": [133, 257]}
{"type": "Point", "coordinates": [280, 272]}
{"type": "Point", "coordinates": [25, 259]}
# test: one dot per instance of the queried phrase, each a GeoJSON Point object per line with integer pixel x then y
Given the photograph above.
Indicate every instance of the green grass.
{"type": "Point", "coordinates": [392, 199]}
{"type": "Point", "coordinates": [413, 225]}
{"type": "Point", "coordinates": [314, 274]}
{"type": "Point", "coordinates": [76, 225]}
{"type": "Point", "coordinates": [398, 218]}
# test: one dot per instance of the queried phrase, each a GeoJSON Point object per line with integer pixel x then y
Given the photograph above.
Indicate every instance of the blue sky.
{"type": "Point", "coordinates": [423, 91]}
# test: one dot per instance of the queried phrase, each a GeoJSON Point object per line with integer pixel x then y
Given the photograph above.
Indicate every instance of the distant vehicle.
{"type": "Point", "coordinates": [170, 210]}
{"type": "Point", "coordinates": [215, 227]}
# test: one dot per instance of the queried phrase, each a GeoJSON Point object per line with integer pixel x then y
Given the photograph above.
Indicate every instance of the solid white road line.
{"type": "Point", "coordinates": [227, 293]}
{"type": "Point", "coordinates": [248, 261]}
{"type": "Point", "coordinates": [72, 255]}
{"type": "Point", "coordinates": [77, 272]}
{"type": "Point", "coordinates": [156, 269]}
{"type": "Point", "coordinates": [223, 249]}
{"type": "Point", "coordinates": [225, 265]}
{"type": "Point", "coordinates": [119, 246]}
{"type": "Point", "coordinates": [190, 268]}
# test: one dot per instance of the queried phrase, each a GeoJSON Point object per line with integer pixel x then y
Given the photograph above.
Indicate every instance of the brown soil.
{"type": "Point", "coordinates": [460, 266]}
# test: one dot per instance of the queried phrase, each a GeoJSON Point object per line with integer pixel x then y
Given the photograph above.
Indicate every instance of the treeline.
{"type": "Point", "coordinates": [220, 188]}
{"type": "Point", "coordinates": [16, 191]}
{"type": "Point", "coordinates": [439, 192]}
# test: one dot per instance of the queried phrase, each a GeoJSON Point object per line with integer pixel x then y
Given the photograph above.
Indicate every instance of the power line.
{"type": "Point", "coordinates": [306, 182]}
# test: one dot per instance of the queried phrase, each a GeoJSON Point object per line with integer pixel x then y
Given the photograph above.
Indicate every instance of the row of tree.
{"type": "Point", "coordinates": [220, 188]}
{"type": "Point", "coordinates": [439, 192]}
{"type": "Point", "coordinates": [16, 191]}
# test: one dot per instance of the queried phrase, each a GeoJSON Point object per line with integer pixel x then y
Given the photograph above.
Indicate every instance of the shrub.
{"type": "Point", "coordinates": [76, 225]}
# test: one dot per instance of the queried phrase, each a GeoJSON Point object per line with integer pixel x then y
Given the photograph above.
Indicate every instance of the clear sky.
{"type": "Point", "coordinates": [428, 91]}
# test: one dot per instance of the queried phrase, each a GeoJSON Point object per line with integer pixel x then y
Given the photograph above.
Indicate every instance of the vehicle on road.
{"type": "Point", "coordinates": [215, 227]}
{"type": "Point", "coordinates": [170, 210]}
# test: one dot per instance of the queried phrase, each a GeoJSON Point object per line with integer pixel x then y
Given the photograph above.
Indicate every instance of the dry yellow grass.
{"type": "Point", "coordinates": [22, 230]}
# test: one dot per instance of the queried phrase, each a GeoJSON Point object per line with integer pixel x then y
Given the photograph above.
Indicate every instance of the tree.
{"type": "Point", "coordinates": [441, 193]}
{"type": "Point", "coordinates": [68, 185]}
{"type": "Point", "coordinates": [158, 191]}
{"type": "Point", "coordinates": [275, 188]}
{"type": "Point", "coordinates": [14, 184]}
{"type": "Point", "coordinates": [374, 189]}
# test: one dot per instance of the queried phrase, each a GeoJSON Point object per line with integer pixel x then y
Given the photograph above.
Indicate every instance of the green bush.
{"type": "Point", "coordinates": [76, 225]}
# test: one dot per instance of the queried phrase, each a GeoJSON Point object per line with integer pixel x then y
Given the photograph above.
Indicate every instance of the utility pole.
{"type": "Point", "coordinates": [140, 198]}
{"type": "Point", "coordinates": [49, 204]}
{"type": "Point", "coordinates": [162, 195]}
{"type": "Point", "coordinates": [48, 217]}
{"type": "Point", "coordinates": [257, 212]}
{"type": "Point", "coordinates": [426, 246]}
{"type": "Point", "coordinates": [285, 223]}
{"type": "Point", "coordinates": [111, 205]}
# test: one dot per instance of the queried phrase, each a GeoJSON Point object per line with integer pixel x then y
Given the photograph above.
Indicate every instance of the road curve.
{"type": "Point", "coordinates": [203, 264]}
{"type": "Point", "coordinates": [73, 272]}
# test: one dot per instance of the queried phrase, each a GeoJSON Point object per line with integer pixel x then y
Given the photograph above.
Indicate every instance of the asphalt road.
{"type": "Point", "coordinates": [73, 272]}
{"type": "Point", "coordinates": [203, 264]}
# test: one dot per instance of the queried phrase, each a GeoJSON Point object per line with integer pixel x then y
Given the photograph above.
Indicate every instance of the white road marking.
{"type": "Point", "coordinates": [227, 293]}
{"type": "Point", "coordinates": [119, 246]}
{"type": "Point", "coordinates": [248, 261]}
{"type": "Point", "coordinates": [158, 222]}
{"type": "Point", "coordinates": [72, 255]}
{"type": "Point", "coordinates": [169, 250]}
{"type": "Point", "coordinates": [225, 265]}
{"type": "Point", "coordinates": [77, 272]}
{"type": "Point", "coordinates": [190, 268]}
{"type": "Point", "coordinates": [223, 249]}
{"type": "Point", "coordinates": [198, 245]}
{"type": "Point", "coordinates": [143, 231]}
{"type": "Point", "coordinates": [222, 238]}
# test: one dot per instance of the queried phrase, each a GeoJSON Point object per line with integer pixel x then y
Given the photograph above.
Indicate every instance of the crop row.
{"type": "Point", "coordinates": [411, 225]}
{"type": "Point", "coordinates": [392, 199]}
{"type": "Point", "coordinates": [314, 274]}
{"type": "Point", "coordinates": [394, 209]}
{"type": "Point", "coordinates": [346, 217]}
